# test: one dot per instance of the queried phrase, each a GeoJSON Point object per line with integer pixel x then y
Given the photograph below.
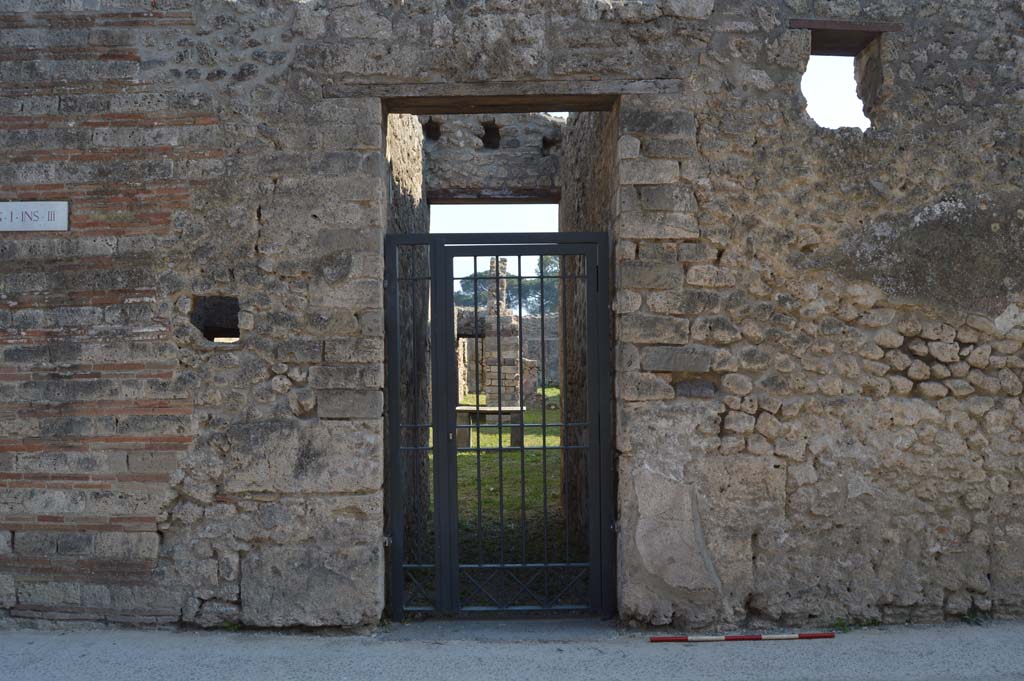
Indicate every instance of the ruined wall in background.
{"type": "Point", "coordinates": [819, 333]}
{"type": "Point", "coordinates": [493, 157]}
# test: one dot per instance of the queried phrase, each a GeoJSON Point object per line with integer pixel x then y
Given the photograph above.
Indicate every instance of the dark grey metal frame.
{"type": "Point", "coordinates": [443, 248]}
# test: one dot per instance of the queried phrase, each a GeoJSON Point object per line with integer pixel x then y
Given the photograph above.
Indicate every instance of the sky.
{"type": "Point", "coordinates": [828, 85]}
{"type": "Point", "coordinates": [493, 219]}
{"type": "Point", "coordinates": [831, 92]}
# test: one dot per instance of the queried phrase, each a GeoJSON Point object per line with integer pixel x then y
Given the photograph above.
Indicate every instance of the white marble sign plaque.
{"type": "Point", "coordinates": [33, 216]}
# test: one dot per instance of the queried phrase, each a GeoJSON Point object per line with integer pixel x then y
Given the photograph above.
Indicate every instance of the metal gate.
{"type": "Point", "coordinates": [499, 473]}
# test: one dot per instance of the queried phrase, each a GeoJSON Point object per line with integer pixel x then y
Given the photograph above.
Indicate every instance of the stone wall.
{"type": "Point", "coordinates": [811, 440]}
{"type": "Point", "coordinates": [535, 338]}
{"type": "Point", "coordinates": [530, 326]}
{"type": "Point", "coordinates": [515, 156]}
{"type": "Point", "coordinates": [409, 213]}
{"type": "Point", "coordinates": [589, 204]}
{"type": "Point", "coordinates": [150, 475]}
{"type": "Point", "coordinates": [817, 333]}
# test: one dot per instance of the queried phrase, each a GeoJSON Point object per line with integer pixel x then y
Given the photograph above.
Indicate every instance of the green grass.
{"type": "Point", "coordinates": [515, 472]}
{"type": "Point", "coordinates": [504, 495]}
{"type": "Point", "coordinates": [552, 395]}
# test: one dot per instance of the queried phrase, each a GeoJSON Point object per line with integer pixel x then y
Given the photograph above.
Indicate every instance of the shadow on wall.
{"type": "Point", "coordinates": [963, 254]}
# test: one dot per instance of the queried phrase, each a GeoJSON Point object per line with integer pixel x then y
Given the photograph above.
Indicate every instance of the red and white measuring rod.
{"type": "Point", "coordinates": [742, 637]}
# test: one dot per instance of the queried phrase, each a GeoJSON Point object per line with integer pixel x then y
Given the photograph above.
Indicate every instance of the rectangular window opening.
{"type": "Point", "coordinates": [216, 317]}
{"type": "Point", "coordinates": [842, 81]}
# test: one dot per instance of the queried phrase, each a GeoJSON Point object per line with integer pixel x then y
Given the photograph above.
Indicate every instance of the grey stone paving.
{"type": "Point", "coordinates": [565, 651]}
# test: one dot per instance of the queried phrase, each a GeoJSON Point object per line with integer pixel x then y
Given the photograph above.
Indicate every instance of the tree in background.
{"type": "Point", "coordinates": [548, 266]}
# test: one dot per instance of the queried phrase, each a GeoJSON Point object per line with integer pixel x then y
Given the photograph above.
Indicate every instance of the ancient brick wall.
{"type": "Point", "coordinates": [818, 333]}
{"type": "Point", "coordinates": [150, 474]}
{"type": "Point", "coordinates": [492, 157]}
{"type": "Point", "coordinates": [97, 412]}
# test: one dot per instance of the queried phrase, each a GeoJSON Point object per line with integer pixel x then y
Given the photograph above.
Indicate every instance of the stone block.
{"type": "Point", "coordinates": [665, 434]}
{"type": "Point", "coordinates": [639, 386]}
{"type": "Point", "coordinates": [352, 377]}
{"type": "Point", "coordinates": [688, 9]}
{"type": "Point", "coordinates": [656, 251]}
{"type": "Point", "coordinates": [691, 359]}
{"type": "Point", "coordinates": [75, 543]}
{"type": "Point", "coordinates": [49, 593]}
{"type": "Point", "coordinates": [348, 294]}
{"type": "Point", "coordinates": [737, 384]}
{"type": "Point", "coordinates": [294, 456]}
{"type": "Point", "coordinates": [650, 328]}
{"type": "Point", "coordinates": [660, 124]}
{"type": "Point", "coordinates": [312, 585]}
{"type": "Point", "coordinates": [690, 302]}
{"type": "Point", "coordinates": [668, 197]}
{"type": "Point", "coordinates": [629, 147]}
{"type": "Point", "coordinates": [645, 275]}
{"type": "Point", "coordinates": [356, 350]}
{"type": "Point", "coordinates": [668, 546]}
{"type": "Point", "coordinates": [710, 276]}
{"type": "Point", "coordinates": [349, 404]}
{"type": "Point", "coordinates": [127, 545]}
{"type": "Point", "coordinates": [35, 543]}
{"type": "Point", "coordinates": [300, 351]}
{"type": "Point", "coordinates": [648, 171]}
{"type": "Point", "coordinates": [152, 462]}
{"type": "Point", "coordinates": [696, 253]}
{"type": "Point", "coordinates": [658, 225]}
{"type": "Point", "coordinates": [217, 614]}
{"type": "Point", "coordinates": [8, 590]}
{"type": "Point", "coordinates": [697, 387]}
{"type": "Point", "coordinates": [944, 352]}
{"type": "Point", "coordinates": [738, 422]}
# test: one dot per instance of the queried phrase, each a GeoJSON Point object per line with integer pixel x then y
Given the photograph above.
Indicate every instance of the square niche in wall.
{"type": "Point", "coordinates": [216, 317]}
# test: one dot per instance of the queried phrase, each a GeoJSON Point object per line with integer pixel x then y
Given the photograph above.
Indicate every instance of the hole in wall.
{"type": "Point", "coordinates": [830, 87]}
{"type": "Point", "coordinates": [492, 135]}
{"type": "Point", "coordinates": [216, 317]}
{"type": "Point", "coordinates": [432, 130]}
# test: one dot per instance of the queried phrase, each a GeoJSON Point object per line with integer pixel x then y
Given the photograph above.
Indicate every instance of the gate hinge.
{"type": "Point", "coordinates": [614, 527]}
{"type": "Point", "coordinates": [387, 540]}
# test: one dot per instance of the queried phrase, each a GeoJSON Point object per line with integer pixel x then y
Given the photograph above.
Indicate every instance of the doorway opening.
{"type": "Point", "coordinates": [499, 472]}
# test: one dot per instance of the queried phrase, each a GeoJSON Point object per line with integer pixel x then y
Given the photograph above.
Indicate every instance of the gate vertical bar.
{"type": "Point", "coordinates": [451, 395]}
{"type": "Point", "coordinates": [395, 517]}
{"type": "Point", "coordinates": [594, 365]}
{"type": "Point", "coordinates": [445, 378]}
{"type": "Point", "coordinates": [544, 431]}
{"type": "Point", "coordinates": [440, 434]}
{"type": "Point", "coordinates": [608, 474]}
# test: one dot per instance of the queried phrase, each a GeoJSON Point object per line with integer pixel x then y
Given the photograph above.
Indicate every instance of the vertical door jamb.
{"type": "Point", "coordinates": [395, 469]}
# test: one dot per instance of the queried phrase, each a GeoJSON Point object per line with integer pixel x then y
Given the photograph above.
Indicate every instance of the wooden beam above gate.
{"type": "Point", "coordinates": [491, 196]}
{"type": "Point", "coordinates": [499, 104]}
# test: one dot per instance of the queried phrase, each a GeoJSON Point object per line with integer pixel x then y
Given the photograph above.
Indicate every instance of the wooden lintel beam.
{"type": "Point", "coordinates": [498, 104]}
{"type": "Point", "coordinates": [839, 38]}
{"type": "Point", "coordinates": [478, 196]}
